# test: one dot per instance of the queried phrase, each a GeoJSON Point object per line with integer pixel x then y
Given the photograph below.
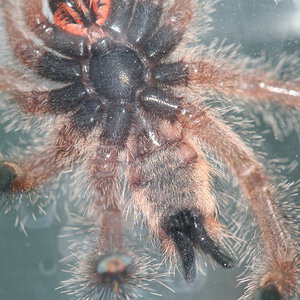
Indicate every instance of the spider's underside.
{"type": "Point", "coordinates": [127, 80]}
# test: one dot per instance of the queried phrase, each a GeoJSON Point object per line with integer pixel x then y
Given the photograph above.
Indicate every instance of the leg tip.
{"type": "Point", "coordinates": [269, 293]}
{"type": "Point", "coordinates": [8, 175]}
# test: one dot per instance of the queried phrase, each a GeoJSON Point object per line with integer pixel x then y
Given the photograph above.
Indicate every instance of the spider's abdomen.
{"type": "Point", "coordinates": [116, 74]}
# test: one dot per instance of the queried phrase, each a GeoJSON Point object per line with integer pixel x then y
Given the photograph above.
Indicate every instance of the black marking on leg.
{"type": "Point", "coordinates": [269, 293]}
{"type": "Point", "coordinates": [187, 230]}
{"type": "Point", "coordinates": [144, 22]}
{"type": "Point", "coordinates": [120, 15]}
{"type": "Point", "coordinates": [88, 116]}
{"type": "Point", "coordinates": [160, 103]}
{"type": "Point", "coordinates": [58, 68]}
{"type": "Point", "coordinates": [117, 124]}
{"type": "Point", "coordinates": [67, 99]}
{"type": "Point", "coordinates": [66, 43]}
{"type": "Point", "coordinates": [7, 177]}
{"type": "Point", "coordinates": [172, 73]}
{"type": "Point", "coordinates": [161, 43]}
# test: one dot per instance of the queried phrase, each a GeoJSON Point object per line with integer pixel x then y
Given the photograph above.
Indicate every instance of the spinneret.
{"type": "Point", "coordinates": [187, 227]}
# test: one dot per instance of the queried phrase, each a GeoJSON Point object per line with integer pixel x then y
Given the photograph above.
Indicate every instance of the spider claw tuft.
{"type": "Point", "coordinates": [7, 176]}
{"type": "Point", "coordinates": [269, 293]}
{"type": "Point", "coordinates": [111, 275]}
{"type": "Point", "coordinates": [113, 269]}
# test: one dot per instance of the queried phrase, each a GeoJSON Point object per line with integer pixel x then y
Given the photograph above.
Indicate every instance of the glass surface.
{"type": "Point", "coordinates": [29, 265]}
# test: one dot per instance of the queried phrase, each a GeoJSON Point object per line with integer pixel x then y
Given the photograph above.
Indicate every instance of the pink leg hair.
{"type": "Point", "coordinates": [31, 98]}
{"type": "Point", "coordinates": [36, 171]}
{"type": "Point", "coordinates": [179, 14]}
{"type": "Point", "coordinates": [233, 81]}
{"type": "Point", "coordinates": [105, 195]}
{"type": "Point", "coordinates": [281, 260]}
{"type": "Point", "coordinates": [101, 268]}
{"type": "Point", "coordinates": [104, 177]}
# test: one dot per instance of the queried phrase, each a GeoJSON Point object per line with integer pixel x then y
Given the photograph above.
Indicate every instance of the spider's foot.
{"type": "Point", "coordinates": [8, 175]}
{"type": "Point", "coordinates": [269, 293]}
{"type": "Point", "coordinates": [102, 274]}
{"type": "Point", "coordinates": [188, 232]}
{"type": "Point", "coordinates": [113, 269]}
{"type": "Point", "coordinates": [111, 275]}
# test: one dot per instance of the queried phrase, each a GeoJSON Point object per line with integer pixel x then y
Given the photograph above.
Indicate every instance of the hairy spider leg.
{"type": "Point", "coordinates": [280, 268]}
{"type": "Point", "coordinates": [119, 18]}
{"type": "Point", "coordinates": [170, 184]}
{"type": "Point", "coordinates": [52, 35]}
{"type": "Point", "coordinates": [35, 99]}
{"type": "Point", "coordinates": [106, 268]}
{"type": "Point", "coordinates": [145, 20]}
{"type": "Point", "coordinates": [33, 172]}
{"type": "Point", "coordinates": [246, 84]}
{"type": "Point", "coordinates": [173, 26]}
{"type": "Point", "coordinates": [111, 267]}
{"type": "Point", "coordinates": [104, 178]}
{"type": "Point", "coordinates": [21, 87]}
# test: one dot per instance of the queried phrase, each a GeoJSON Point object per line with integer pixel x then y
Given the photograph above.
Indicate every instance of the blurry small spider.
{"type": "Point", "coordinates": [124, 93]}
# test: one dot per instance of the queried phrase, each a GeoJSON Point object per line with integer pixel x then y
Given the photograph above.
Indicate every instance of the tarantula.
{"type": "Point", "coordinates": [130, 106]}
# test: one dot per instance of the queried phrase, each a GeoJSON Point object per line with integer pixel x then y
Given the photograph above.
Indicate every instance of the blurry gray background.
{"type": "Point", "coordinates": [29, 267]}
